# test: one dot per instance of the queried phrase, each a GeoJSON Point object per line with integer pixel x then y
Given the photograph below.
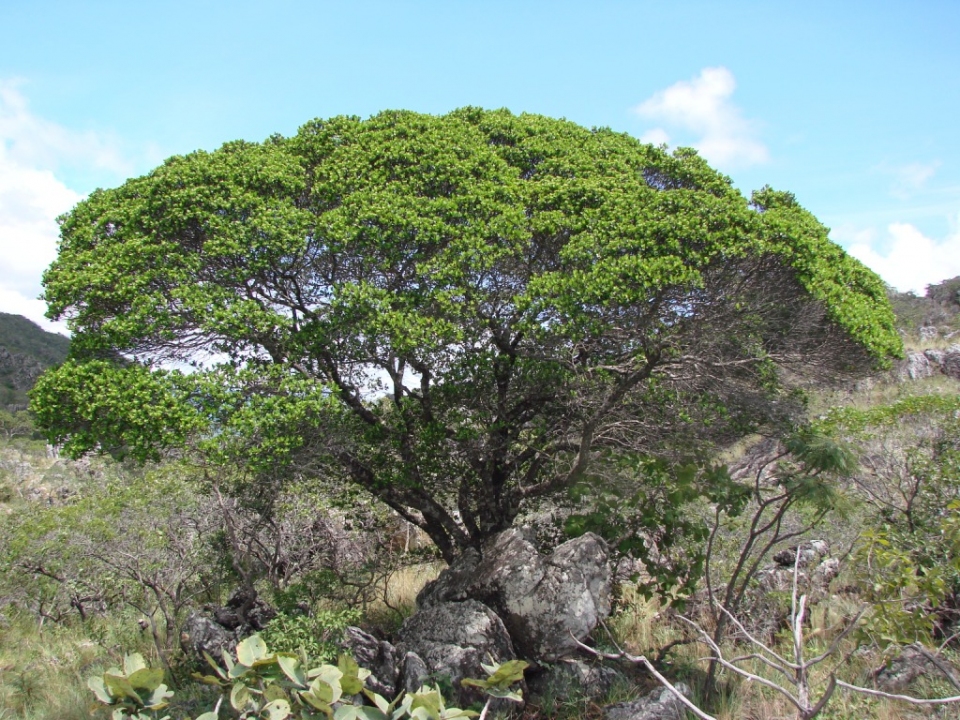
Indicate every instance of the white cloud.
{"type": "Point", "coordinates": [704, 106]}
{"type": "Point", "coordinates": [32, 149]}
{"type": "Point", "coordinates": [32, 141]}
{"type": "Point", "coordinates": [911, 178]}
{"type": "Point", "coordinates": [909, 260]}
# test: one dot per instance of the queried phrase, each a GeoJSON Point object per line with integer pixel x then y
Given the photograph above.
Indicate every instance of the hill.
{"type": "Point", "coordinates": [26, 350]}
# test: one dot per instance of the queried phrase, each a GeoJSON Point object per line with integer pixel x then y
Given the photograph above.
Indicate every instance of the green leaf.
{"type": "Point", "coordinates": [158, 699]}
{"type": "Point", "coordinates": [146, 679]}
{"type": "Point", "coordinates": [100, 690]}
{"type": "Point", "coordinates": [132, 663]}
{"type": "Point", "coordinates": [277, 709]}
{"type": "Point", "coordinates": [293, 669]}
{"type": "Point", "coordinates": [359, 712]}
{"type": "Point", "coordinates": [350, 682]}
{"type": "Point", "coordinates": [274, 692]}
{"type": "Point", "coordinates": [119, 686]}
{"type": "Point", "coordinates": [240, 697]}
{"type": "Point", "coordinates": [250, 650]}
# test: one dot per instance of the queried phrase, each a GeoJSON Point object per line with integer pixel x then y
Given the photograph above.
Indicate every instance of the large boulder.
{"type": "Point", "coordinates": [449, 641]}
{"type": "Point", "coordinates": [546, 602]}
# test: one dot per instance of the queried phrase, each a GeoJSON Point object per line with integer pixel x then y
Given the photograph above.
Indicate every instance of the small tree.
{"type": "Point", "coordinates": [456, 313]}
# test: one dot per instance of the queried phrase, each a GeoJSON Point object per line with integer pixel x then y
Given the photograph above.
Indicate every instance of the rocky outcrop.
{"type": "Point", "coordinates": [450, 640]}
{"type": "Point", "coordinates": [920, 365]}
{"type": "Point", "coordinates": [661, 704]}
{"type": "Point", "coordinates": [201, 635]}
{"type": "Point", "coordinates": [544, 601]}
{"type": "Point", "coordinates": [377, 656]}
{"type": "Point", "coordinates": [217, 629]}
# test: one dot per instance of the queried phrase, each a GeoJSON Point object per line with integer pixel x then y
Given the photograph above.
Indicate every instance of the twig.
{"type": "Point", "coordinates": [892, 696]}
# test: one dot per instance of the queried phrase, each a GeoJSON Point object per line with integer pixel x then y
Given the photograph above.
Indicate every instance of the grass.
{"type": "Point", "coordinates": [643, 626]}
{"type": "Point", "coordinates": [44, 669]}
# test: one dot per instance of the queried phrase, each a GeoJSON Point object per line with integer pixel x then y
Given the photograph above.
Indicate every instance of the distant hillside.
{"type": "Point", "coordinates": [934, 315]}
{"type": "Point", "coordinates": [26, 350]}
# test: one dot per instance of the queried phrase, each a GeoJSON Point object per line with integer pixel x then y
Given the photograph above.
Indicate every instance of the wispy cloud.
{"type": "Point", "coordinates": [32, 151]}
{"type": "Point", "coordinates": [704, 106]}
{"type": "Point", "coordinates": [910, 179]}
{"type": "Point", "coordinates": [907, 259]}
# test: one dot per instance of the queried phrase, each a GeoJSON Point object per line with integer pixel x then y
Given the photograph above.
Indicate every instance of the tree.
{"type": "Point", "coordinates": [460, 314]}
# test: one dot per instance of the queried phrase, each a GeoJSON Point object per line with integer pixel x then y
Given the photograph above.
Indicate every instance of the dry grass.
{"type": "Point", "coordinates": [44, 670]}
{"type": "Point", "coordinates": [642, 627]}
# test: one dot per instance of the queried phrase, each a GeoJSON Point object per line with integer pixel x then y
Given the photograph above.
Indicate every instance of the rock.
{"type": "Point", "coordinates": [201, 634]}
{"type": "Point", "coordinates": [929, 332]}
{"type": "Point", "coordinates": [950, 363]}
{"type": "Point", "coordinates": [573, 677]}
{"type": "Point", "coordinates": [661, 704]}
{"type": "Point", "coordinates": [221, 628]}
{"type": "Point", "coordinates": [824, 574]}
{"type": "Point", "coordinates": [541, 599]}
{"type": "Point", "coordinates": [414, 673]}
{"type": "Point", "coordinates": [377, 656]}
{"type": "Point", "coordinates": [452, 639]}
{"type": "Point", "coordinates": [244, 611]}
{"type": "Point", "coordinates": [896, 675]}
{"type": "Point", "coordinates": [453, 583]}
{"type": "Point", "coordinates": [916, 366]}
{"type": "Point", "coordinates": [810, 552]}
{"type": "Point", "coordinates": [934, 356]}
{"type": "Point", "coordinates": [764, 610]}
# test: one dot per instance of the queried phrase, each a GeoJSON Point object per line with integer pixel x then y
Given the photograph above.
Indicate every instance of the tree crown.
{"type": "Point", "coordinates": [457, 312]}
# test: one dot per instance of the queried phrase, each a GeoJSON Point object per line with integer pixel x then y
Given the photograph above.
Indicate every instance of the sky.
{"type": "Point", "coordinates": [852, 106]}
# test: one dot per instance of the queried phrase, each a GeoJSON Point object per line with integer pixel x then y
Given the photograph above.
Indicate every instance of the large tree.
{"type": "Point", "coordinates": [459, 314]}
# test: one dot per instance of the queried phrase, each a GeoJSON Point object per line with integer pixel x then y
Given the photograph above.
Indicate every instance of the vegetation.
{"type": "Point", "coordinates": [344, 354]}
{"type": "Point", "coordinates": [461, 315]}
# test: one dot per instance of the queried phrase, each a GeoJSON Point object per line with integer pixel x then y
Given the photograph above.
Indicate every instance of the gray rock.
{"type": "Point", "coordinates": [414, 673]}
{"type": "Point", "coordinates": [221, 628]}
{"type": "Point", "coordinates": [543, 600]}
{"type": "Point", "coordinates": [661, 704]}
{"type": "Point", "coordinates": [896, 675]}
{"type": "Point", "coordinates": [916, 366]}
{"type": "Point", "coordinates": [929, 332]}
{"type": "Point", "coordinates": [810, 553]}
{"type": "Point", "coordinates": [453, 583]}
{"type": "Point", "coordinates": [201, 634]}
{"type": "Point", "coordinates": [574, 677]}
{"type": "Point", "coordinates": [950, 363]}
{"type": "Point", "coordinates": [377, 656]}
{"type": "Point", "coordinates": [452, 639]}
{"type": "Point", "coordinates": [934, 356]}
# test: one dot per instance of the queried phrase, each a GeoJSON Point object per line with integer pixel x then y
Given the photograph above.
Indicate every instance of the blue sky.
{"type": "Point", "coordinates": [853, 106]}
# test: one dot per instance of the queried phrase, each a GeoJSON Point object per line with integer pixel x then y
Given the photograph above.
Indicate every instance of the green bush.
{"type": "Point", "coordinates": [317, 634]}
